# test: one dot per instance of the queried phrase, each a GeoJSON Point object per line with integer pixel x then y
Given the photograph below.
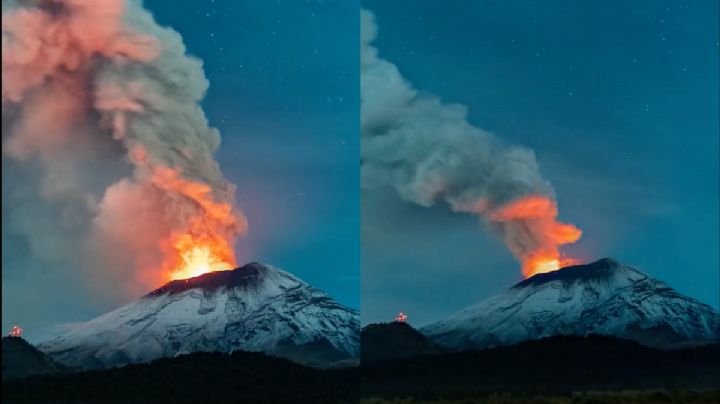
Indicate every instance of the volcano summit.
{"type": "Point", "coordinates": [604, 297]}
{"type": "Point", "coordinates": [254, 308]}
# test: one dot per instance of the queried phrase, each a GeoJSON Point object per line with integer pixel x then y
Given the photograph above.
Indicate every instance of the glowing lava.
{"type": "Point", "coordinates": [540, 264]}
{"type": "Point", "coordinates": [195, 259]}
{"type": "Point", "coordinates": [535, 217]}
{"type": "Point", "coordinates": [204, 241]}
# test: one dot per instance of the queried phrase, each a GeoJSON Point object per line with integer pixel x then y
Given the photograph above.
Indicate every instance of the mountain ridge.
{"type": "Point", "coordinates": [245, 275]}
{"type": "Point", "coordinates": [597, 269]}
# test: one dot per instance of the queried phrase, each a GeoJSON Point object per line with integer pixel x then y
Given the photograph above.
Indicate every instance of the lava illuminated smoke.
{"type": "Point", "coordinates": [103, 120]}
{"type": "Point", "coordinates": [196, 259]}
{"type": "Point", "coordinates": [428, 152]}
{"type": "Point", "coordinates": [533, 233]}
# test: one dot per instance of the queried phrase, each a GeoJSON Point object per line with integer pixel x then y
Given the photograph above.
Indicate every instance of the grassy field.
{"type": "Point", "coordinates": [629, 397]}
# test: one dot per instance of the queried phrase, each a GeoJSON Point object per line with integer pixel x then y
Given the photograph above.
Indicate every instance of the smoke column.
{"type": "Point", "coordinates": [110, 152]}
{"type": "Point", "coordinates": [428, 152]}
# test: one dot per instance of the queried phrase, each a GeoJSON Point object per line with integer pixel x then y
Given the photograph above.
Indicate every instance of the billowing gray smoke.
{"type": "Point", "coordinates": [107, 156]}
{"type": "Point", "coordinates": [427, 151]}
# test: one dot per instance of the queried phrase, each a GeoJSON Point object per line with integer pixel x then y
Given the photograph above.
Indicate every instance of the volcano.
{"type": "Point", "coordinates": [256, 307]}
{"type": "Point", "coordinates": [604, 297]}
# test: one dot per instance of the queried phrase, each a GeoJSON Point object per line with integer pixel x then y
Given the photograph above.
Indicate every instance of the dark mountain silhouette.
{"type": "Point", "coordinates": [549, 365]}
{"type": "Point", "coordinates": [396, 340]}
{"type": "Point", "coordinates": [212, 377]}
{"type": "Point", "coordinates": [555, 365]}
{"type": "Point", "coordinates": [20, 359]}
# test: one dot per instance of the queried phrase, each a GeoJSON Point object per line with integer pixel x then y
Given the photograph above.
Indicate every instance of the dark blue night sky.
{"type": "Point", "coordinates": [619, 101]}
{"type": "Point", "coordinates": [284, 95]}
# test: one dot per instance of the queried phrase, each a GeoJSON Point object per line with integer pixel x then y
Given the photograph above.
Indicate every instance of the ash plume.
{"type": "Point", "coordinates": [427, 151]}
{"type": "Point", "coordinates": [108, 153]}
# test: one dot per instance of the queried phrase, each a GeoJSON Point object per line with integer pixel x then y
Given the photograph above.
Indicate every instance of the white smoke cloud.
{"type": "Point", "coordinates": [428, 152]}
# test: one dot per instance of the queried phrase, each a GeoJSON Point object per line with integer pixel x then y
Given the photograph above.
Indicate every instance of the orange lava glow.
{"type": "Point", "coordinates": [534, 234]}
{"type": "Point", "coordinates": [540, 264]}
{"type": "Point", "coordinates": [196, 259]}
{"type": "Point", "coordinates": [201, 248]}
{"type": "Point", "coordinates": [205, 242]}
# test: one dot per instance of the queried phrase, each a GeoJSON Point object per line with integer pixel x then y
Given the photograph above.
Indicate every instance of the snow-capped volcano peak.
{"type": "Point", "coordinates": [255, 307]}
{"type": "Point", "coordinates": [603, 297]}
{"type": "Point", "coordinates": [249, 277]}
{"type": "Point", "coordinates": [605, 270]}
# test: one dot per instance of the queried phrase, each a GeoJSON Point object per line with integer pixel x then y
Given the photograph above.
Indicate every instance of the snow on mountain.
{"type": "Point", "coordinates": [604, 297]}
{"type": "Point", "coordinates": [255, 308]}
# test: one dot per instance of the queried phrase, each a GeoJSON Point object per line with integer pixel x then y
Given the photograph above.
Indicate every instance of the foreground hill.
{"type": "Point", "coordinates": [549, 365]}
{"type": "Point", "coordinates": [556, 365]}
{"type": "Point", "coordinates": [20, 360]}
{"type": "Point", "coordinates": [248, 377]}
{"type": "Point", "coordinates": [396, 340]}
